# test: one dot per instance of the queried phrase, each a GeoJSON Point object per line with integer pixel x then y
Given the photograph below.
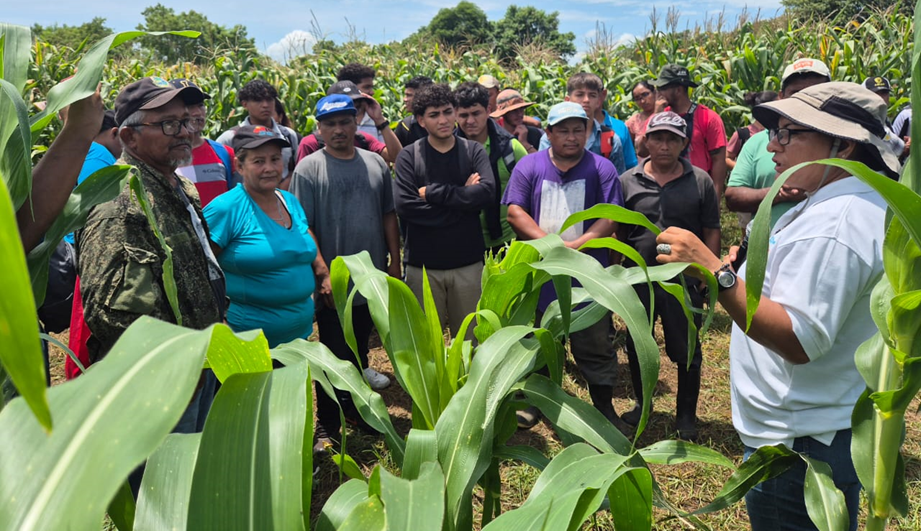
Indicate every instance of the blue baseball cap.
{"type": "Point", "coordinates": [565, 111]}
{"type": "Point", "coordinates": [335, 104]}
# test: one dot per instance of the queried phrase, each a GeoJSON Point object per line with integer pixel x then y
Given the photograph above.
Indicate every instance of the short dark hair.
{"type": "Point", "coordinates": [108, 121]}
{"type": "Point", "coordinates": [804, 75]}
{"type": "Point", "coordinates": [418, 82]}
{"type": "Point", "coordinates": [753, 99]}
{"type": "Point", "coordinates": [354, 72]}
{"type": "Point", "coordinates": [434, 95]}
{"type": "Point", "coordinates": [471, 93]}
{"type": "Point", "coordinates": [257, 90]}
{"type": "Point", "coordinates": [584, 80]}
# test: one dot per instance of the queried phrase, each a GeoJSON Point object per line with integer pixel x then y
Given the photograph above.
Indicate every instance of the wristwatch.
{"type": "Point", "coordinates": [382, 125]}
{"type": "Point", "coordinates": [725, 277]}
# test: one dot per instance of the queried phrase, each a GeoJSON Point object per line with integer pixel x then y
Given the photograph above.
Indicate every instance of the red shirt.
{"type": "Point", "coordinates": [208, 172]}
{"type": "Point", "coordinates": [708, 135]}
{"type": "Point", "coordinates": [309, 144]}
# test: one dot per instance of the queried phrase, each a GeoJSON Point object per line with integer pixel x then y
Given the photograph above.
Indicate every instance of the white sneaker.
{"type": "Point", "coordinates": [377, 380]}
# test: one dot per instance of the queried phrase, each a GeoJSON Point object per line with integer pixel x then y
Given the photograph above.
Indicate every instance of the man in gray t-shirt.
{"type": "Point", "coordinates": [347, 196]}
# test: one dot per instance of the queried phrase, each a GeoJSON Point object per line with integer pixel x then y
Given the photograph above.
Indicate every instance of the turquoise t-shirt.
{"type": "Point", "coordinates": [267, 267]}
{"type": "Point", "coordinates": [755, 169]}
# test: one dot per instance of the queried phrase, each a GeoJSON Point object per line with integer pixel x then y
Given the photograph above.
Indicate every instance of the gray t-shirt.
{"type": "Point", "coordinates": [345, 202]}
{"type": "Point", "coordinates": [688, 202]}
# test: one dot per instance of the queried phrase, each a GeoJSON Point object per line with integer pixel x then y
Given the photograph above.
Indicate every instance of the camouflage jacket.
{"type": "Point", "coordinates": [120, 262]}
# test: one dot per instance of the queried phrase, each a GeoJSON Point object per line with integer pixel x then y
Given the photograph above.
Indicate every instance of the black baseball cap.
{"type": "Point", "coordinates": [674, 75]}
{"type": "Point", "coordinates": [877, 84]}
{"type": "Point", "coordinates": [253, 136]}
{"type": "Point", "coordinates": [151, 93]}
{"type": "Point", "coordinates": [348, 88]}
{"type": "Point", "coordinates": [182, 83]}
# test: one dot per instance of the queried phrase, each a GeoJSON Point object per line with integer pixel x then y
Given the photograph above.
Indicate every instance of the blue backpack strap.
{"type": "Point", "coordinates": [225, 159]}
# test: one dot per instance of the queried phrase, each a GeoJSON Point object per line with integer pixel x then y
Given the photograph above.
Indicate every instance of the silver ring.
{"type": "Point", "coordinates": [664, 248]}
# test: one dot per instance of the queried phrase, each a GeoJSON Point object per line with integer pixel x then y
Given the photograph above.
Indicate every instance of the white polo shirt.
{"type": "Point", "coordinates": [823, 262]}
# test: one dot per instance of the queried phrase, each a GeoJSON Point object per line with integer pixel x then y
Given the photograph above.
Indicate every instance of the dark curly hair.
{"type": "Point", "coordinates": [354, 72]}
{"type": "Point", "coordinates": [434, 95]}
{"type": "Point", "coordinates": [471, 93]}
{"type": "Point", "coordinates": [418, 82]}
{"type": "Point", "coordinates": [257, 90]}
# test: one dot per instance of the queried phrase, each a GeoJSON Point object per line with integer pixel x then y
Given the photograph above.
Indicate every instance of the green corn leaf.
{"type": "Point", "coordinates": [163, 502]}
{"type": "Point", "coordinates": [21, 354]}
{"type": "Point", "coordinates": [416, 504]}
{"type": "Point", "coordinates": [436, 338]}
{"type": "Point", "coordinates": [905, 323]}
{"type": "Point", "coordinates": [331, 372]}
{"type": "Point", "coordinates": [526, 454]}
{"type": "Point", "coordinates": [15, 144]}
{"type": "Point", "coordinates": [766, 463]}
{"type": "Point", "coordinates": [122, 508]}
{"type": "Point", "coordinates": [100, 187]}
{"type": "Point", "coordinates": [256, 422]}
{"type": "Point", "coordinates": [421, 448]}
{"type": "Point", "coordinates": [340, 504]}
{"type": "Point", "coordinates": [368, 515]}
{"type": "Point", "coordinates": [349, 467]}
{"type": "Point", "coordinates": [901, 258]}
{"type": "Point", "coordinates": [152, 359]}
{"type": "Point", "coordinates": [677, 452]}
{"type": "Point", "coordinates": [232, 353]}
{"type": "Point", "coordinates": [824, 502]}
{"type": "Point", "coordinates": [630, 498]}
{"type": "Point", "coordinates": [411, 344]}
{"type": "Point", "coordinates": [573, 416]}
{"type": "Point", "coordinates": [612, 212]}
{"type": "Point", "coordinates": [466, 427]}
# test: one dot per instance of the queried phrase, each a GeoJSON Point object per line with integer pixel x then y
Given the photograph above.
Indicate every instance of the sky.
{"type": "Point", "coordinates": [283, 27]}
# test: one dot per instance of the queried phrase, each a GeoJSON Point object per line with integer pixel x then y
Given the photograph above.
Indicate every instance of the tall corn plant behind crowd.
{"type": "Point", "coordinates": [727, 64]}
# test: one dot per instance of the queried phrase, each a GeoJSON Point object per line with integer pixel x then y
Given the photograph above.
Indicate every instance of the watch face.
{"type": "Point", "coordinates": [726, 279]}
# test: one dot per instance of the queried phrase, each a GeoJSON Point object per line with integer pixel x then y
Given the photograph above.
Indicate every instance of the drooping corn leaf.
{"type": "Point", "coordinates": [416, 504]}
{"type": "Point", "coordinates": [163, 502]}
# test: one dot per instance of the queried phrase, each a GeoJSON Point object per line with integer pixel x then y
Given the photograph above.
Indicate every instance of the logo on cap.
{"type": "Point", "coordinates": [333, 105]}
{"type": "Point", "coordinates": [803, 64]}
{"type": "Point", "coordinates": [263, 131]}
{"type": "Point", "coordinates": [159, 81]}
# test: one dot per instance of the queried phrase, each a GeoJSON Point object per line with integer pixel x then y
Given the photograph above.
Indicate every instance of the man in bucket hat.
{"type": "Point", "coordinates": [823, 260]}
{"type": "Point", "coordinates": [667, 189]}
{"type": "Point", "coordinates": [121, 260]}
{"type": "Point", "coordinates": [706, 136]}
{"type": "Point", "coordinates": [510, 106]}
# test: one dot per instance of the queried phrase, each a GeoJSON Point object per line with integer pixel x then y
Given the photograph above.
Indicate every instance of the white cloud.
{"type": "Point", "coordinates": [294, 44]}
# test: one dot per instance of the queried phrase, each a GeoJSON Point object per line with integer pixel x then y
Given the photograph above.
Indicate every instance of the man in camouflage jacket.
{"type": "Point", "coordinates": [120, 258]}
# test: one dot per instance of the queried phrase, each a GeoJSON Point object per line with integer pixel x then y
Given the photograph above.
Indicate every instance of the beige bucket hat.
{"type": "Point", "coordinates": [838, 109]}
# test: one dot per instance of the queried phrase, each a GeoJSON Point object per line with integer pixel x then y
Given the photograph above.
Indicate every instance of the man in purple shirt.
{"type": "Point", "coordinates": [544, 189]}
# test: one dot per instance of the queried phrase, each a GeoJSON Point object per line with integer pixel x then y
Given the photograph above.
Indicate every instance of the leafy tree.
{"type": "Point", "coordinates": [840, 9]}
{"type": "Point", "coordinates": [173, 49]}
{"type": "Point", "coordinates": [526, 25]}
{"type": "Point", "coordinates": [464, 23]}
{"type": "Point", "coordinates": [72, 36]}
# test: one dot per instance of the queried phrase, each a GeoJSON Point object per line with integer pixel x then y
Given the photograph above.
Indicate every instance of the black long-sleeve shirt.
{"type": "Point", "coordinates": [443, 230]}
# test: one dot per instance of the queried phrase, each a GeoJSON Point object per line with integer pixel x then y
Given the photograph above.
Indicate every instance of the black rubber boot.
{"type": "Point", "coordinates": [602, 397]}
{"type": "Point", "coordinates": [688, 393]}
{"type": "Point", "coordinates": [632, 417]}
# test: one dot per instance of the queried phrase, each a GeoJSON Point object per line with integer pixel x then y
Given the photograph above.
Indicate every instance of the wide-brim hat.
{"type": "Point", "coordinates": [151, 93]}
{"type": "Point", "coordinates": [838, 109]}
{"type": "Point", "coordinates": [509, 100]}
{"type": "Point", "coordinates": [253, 136]}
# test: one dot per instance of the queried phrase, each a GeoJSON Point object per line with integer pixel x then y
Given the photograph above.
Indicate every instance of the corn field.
{"type": "Point", "coordinates": [727, 63]}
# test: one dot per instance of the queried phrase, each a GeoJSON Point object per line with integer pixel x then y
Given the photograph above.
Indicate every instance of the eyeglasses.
{"type": "Point", "coordinates": [171, 127]}
{"type": "Point", "coordinates": [783, 134]}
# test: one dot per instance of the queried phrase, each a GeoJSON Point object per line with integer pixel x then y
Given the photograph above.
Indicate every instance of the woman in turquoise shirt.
{"type": "Point", "coordinates": [262, 243]}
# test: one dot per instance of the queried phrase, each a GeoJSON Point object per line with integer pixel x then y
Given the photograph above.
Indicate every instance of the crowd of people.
{"type": "Point", "coordinates": [255, 218]}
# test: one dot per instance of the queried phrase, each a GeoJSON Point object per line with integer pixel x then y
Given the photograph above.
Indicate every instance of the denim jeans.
{"type": "Point", "coordinates": [779, 504]}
